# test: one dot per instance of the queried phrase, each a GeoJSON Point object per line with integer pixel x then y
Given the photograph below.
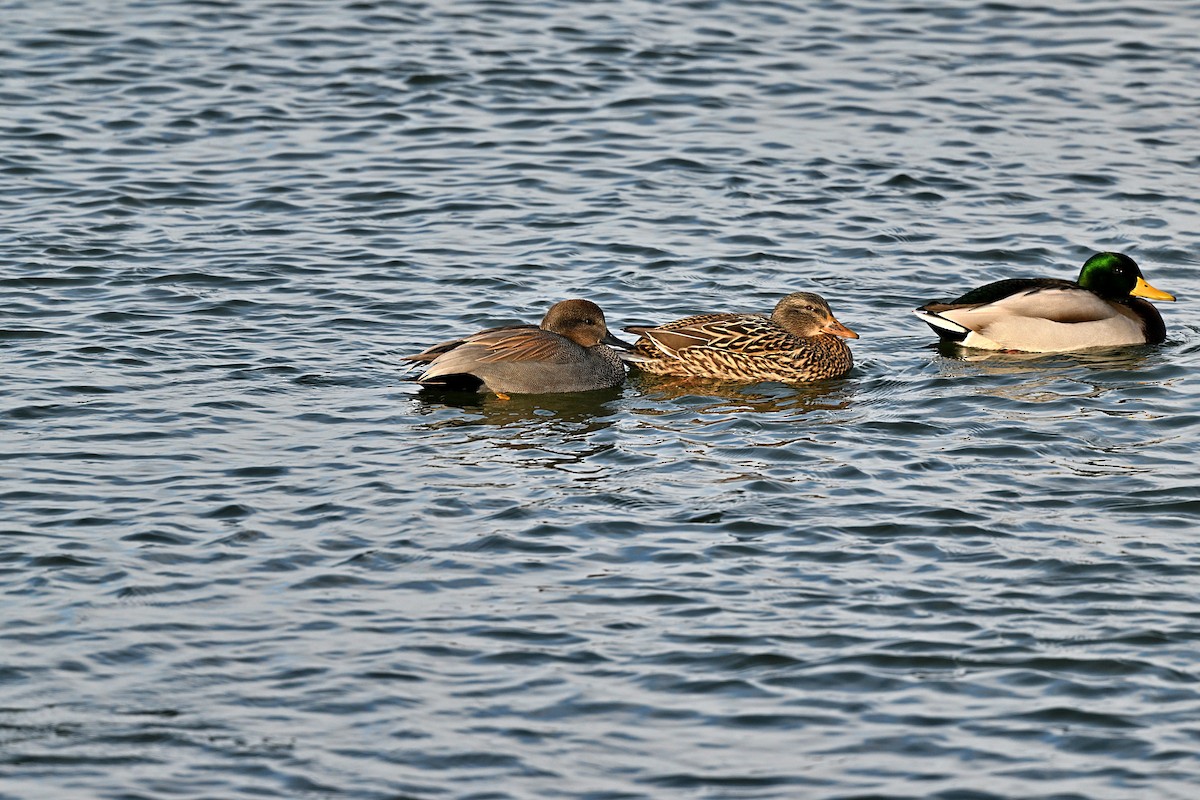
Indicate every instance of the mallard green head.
{"type": "Point", "coordinates": [1116, 276]}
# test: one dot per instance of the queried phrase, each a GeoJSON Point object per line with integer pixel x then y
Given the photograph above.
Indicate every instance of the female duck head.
{"type": "Point", "coordinates": [1116, 276]}
{"type": "Point", "coordinates": [805, 314]}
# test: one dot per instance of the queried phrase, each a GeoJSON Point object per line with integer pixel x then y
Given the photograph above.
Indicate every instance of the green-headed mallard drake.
{"type": "Point", "coordinates": [799, 341]}
{"type": "Point", "coordinates": [1051, 315]}
{"type": "Point", "coordinates": [568, 352]}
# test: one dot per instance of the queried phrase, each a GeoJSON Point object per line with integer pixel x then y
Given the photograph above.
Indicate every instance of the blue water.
{"type": "Point", "coordinates": [242, 557]}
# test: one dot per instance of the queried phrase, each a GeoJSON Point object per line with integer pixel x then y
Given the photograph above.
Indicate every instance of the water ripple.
{"type": "Point", "coordinates": [242, 556]}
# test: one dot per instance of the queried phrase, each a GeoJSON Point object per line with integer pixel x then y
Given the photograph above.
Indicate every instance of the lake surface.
{"type": "Point", "coordinates": [243, 557]}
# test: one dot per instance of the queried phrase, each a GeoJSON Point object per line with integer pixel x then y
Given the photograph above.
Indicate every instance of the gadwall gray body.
{"type": "Point", "coordinates": [569, 352]}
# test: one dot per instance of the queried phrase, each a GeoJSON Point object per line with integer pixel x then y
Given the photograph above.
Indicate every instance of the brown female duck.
{"type": "Point", "coordinates": [800, 341]}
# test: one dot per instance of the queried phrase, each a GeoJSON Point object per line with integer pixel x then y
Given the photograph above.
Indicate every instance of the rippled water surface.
{"type": "Point", "coordinates": [242, 557]}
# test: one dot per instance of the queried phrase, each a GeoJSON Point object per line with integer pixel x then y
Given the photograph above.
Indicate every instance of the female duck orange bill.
{"type": "Point", "coordinates": [800, 341]}
{"type": "Point", "coordinates": [1052, 315]}
{"type": "Point", "coordinates": [569, 352]}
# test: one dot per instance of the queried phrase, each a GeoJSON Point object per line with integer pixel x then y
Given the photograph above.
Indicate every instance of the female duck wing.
{"type": "Point", "coordinates": [749, 333]}
{"type": "Point", "coordinates": [671, 337]}
{"type": "Point", "coordinates": [667, 341]}
{"type": "Point", "coordinates": [739, 332]}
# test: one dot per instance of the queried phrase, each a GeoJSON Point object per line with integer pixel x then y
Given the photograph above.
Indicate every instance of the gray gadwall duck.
{"type": "Point", "coordinates": [800, 341]}
{"type": "Point", "coordinates": [1051, 315]}
{"type": "Point", "coordinates": [569, 352]}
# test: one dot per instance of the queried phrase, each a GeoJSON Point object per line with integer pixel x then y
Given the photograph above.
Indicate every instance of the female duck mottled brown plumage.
{"type": "Point", "coordinates": [800, 341]}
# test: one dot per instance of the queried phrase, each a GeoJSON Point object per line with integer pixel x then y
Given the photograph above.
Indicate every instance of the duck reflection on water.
{"type": "Point", "coordinates": [711, 395]}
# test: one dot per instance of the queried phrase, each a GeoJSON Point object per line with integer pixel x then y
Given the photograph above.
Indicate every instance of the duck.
{"type": "Point", "coordinates": [570, 351]}
{"type": "Point", "coordinates": [799, 341]}
{"type": "Point", "coordinates": [1052, 315]}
